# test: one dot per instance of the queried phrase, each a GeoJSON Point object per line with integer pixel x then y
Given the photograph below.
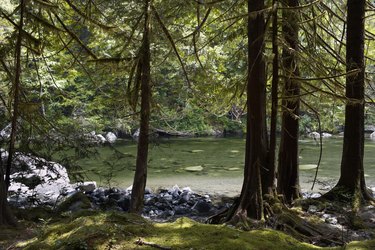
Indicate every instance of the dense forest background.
{"type": "Point", "coordinates": [79, 60]}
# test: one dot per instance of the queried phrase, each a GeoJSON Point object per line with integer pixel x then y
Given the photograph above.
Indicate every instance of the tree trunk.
{"type": "Point", "coordinates": [352, 180]}
{"type": "Point", "coordinates": [268, 180]}
{"type": "Point", "coordinates": [140, 176]}
{"type": "Point", "coordinates": [16, 89]}
{"type": "Point", "coordinates": [287, 180]}
{"type": "Point", "coordinates": [6, 216]}
{"type": "Point", "coordinates": [251, 200]}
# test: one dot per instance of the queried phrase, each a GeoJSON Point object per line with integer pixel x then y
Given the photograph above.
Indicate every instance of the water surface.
{"type": "Point", "coordinates": [212, 165]}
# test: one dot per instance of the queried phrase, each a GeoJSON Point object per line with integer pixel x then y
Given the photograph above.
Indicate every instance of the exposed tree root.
{"type": "Point", "coordinates": [280, 217]}
{"type": "Point", "coordinates": [356, 197]}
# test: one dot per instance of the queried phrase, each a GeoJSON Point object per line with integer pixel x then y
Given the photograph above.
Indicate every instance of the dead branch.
{"type": "Point", "coordinates": [141, 242]}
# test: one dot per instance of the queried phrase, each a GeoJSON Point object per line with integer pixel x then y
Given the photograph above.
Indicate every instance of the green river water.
{"type": "Point", "coordinates": [212, 165]}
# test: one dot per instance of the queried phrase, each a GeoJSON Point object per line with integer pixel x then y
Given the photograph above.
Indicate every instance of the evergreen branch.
{"type": "Point", "coordinates": [82, 14]}
{"type": "Point", "coordinates": [43, 21]}
{"type": "Point", "coordinates": [201, 2]}
{"type": "Point", "coordinates": [349, 73]}
{"type": "Point", "coordinates": [199, 27]}
{"type": "Point", "coordinates": [112, 59]}
{"type": "Point", "coordinates": [169, 37]}
{"type": "Point", "coordinates": [35, 40]}
{"type": "Point", "coordinates": [76, 58]}
{"type": "Point", "coordinates": [45, 4]}
{"type": "Point", "coordinates": [126, 44]}
{"type": "Point", "coordinates": [75, 37]}
{"type": "Point", "coordinates": [300, 6]}
{"type": "Point", "coordinates": [219, 34]}
{"type": "Point", "coordinates": [225, 12]}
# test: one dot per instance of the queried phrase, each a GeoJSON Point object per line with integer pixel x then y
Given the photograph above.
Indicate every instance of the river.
{"type": "Point", "coordinates": [213, 165]}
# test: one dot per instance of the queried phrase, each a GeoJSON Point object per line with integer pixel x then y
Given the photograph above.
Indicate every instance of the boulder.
{"type": "Point", "coordinates": [136, 134]}
{"type": "Point", "coordinates": [38, 178]}
{"type": "Point", "coordinates": [110, 137]}
{"type": "Point", "coordinates": [369, 128]}
{"type": "Point", "coordinates": [326, 135]}
{"type": "Point", "coordinates": [74, 203]}
{"type": "Point", "coordinates": [5, 132]}
{"type": "Point", "coordinates": [202, 206]}
{"type": "Point", "coordinates": [100, 138]}
{"type": "Point", "coordinates": [316, 135]}
{"type": "Point", "coordinates": [87, 186]}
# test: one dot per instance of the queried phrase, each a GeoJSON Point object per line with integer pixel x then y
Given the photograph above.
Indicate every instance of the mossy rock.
{"type": "Point", "coordinates": [76, 202]}
{"type": "Point", "coordinates": [34, 213]}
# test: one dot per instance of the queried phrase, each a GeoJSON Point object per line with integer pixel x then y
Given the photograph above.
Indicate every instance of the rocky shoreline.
{"type": "Point", "coordinates": [40, 183]}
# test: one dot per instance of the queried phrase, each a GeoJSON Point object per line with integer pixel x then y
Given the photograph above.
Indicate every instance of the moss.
{"type": "Point", "coordinates": [361, 245]}
{"type": "Point", "coordinates": [114, 230]}
{"type": "Point", "coordinates": [75, 202]}
{"type": "Point", "coordinates": [34, 213]}
{"type": "Point", "coordinates": [120, 231]}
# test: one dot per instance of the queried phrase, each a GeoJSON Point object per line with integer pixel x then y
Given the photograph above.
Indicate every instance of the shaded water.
{"type": "Point", "coordinates": [213, 165]}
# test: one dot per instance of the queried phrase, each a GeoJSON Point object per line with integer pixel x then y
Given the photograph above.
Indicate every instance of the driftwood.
{"type": "Point", "coordinates": [141, 242]}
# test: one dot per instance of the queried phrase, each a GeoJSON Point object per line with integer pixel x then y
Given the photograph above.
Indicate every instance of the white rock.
{"type": "Point", "coordinates": [87, 186]}
{"type": "Point", "coordinates": [136, 134]}
{"type": "Point", "coordinates": [129, 189]}
{"type": "Point", "coordinates": [194, 168]}
{"type": "Point", "coordinates": [314, 135]}
{"type": "Point", "coordinates": [187, 190]}
{"type": "Point", "coordinates": [372, 135]}
{"type": "Point", "coordinates": [101, 138]}
{"type": "Point", "coordinates": [326, 135]}
{"type": "Point", "coordinates": [111, 137]}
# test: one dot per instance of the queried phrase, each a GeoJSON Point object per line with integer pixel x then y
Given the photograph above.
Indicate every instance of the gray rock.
{"type": "Point", "coordinates": [202, 206]}
{"type": "Point", "coordinates": [175, 191]}
{"type": "Point", "coordinates": [314, 135]}
{"type": "Point", "coordinates": [5, 132]}
{"type": "Point", "coordinates": [87, 186]}
{"type": "Point", "coordinates": [101, 138]}
{"type": "Point", "coordinates": [312, 209]}
{"type": "Point", "coordinates": [136, 134]}
{"type": "Point", "coordinates": [110, 137]}
{"type": "Point", "coordinates": [372, 135]}
{"type": "Point", "coordinates": [326, 135]}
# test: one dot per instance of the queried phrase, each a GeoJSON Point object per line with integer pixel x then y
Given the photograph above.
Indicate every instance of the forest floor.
{"type": "Point", "coordinates": [337, 227]}
{"type": "Point", "coordinates": [114, 230]}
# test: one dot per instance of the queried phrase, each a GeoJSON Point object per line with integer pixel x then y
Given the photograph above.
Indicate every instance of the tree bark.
{"type": "Point", "coordinates": [269, 178]}
{"type": "Point", "coordinates": [140, 176]}
{"type": "Point", "coordinates": [288, 180]}
{"type": "Point", "coordinates": [251, 200]}
{"type": "Point", "coordinates": [6, 216]}
{"type": "Point", "coordinates": [352, 180]}
{"type": "Point", "coordinates": [16, 89]}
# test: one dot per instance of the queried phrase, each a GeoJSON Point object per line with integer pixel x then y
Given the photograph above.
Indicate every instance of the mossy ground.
{"type": "Point", "coordinates": [113, 230]}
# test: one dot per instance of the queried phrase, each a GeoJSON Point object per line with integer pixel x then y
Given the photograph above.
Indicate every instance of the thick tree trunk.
{"type": "Point", "coordinates": [140, 176]}
{"type": "Point", "coordinates": [251, 200]}
{"type": "Point", "coordinates": [352, 179]}
{"type": "Point", "coordinates": [287, 180]}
